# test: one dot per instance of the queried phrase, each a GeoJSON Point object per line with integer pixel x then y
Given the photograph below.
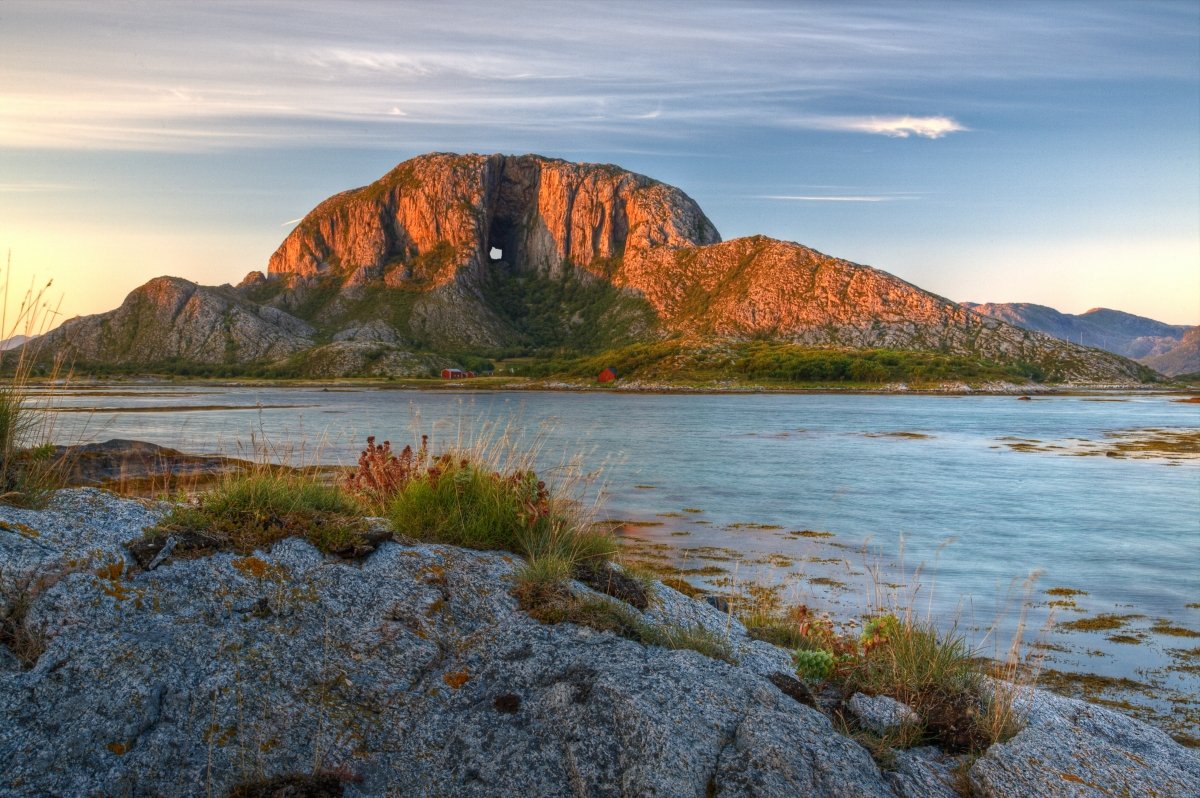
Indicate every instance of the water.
{"type": "Point", "coordinates": [898, 481]}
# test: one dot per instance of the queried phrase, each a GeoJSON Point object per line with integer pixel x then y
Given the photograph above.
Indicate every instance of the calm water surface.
{"type": "Point", "coordinates": [949, 495]}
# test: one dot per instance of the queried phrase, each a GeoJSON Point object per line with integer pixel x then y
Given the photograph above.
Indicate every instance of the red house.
{"type": "Point", "coordinates": [453, 374]}
{"type": "Point", "coordinates": [608, 375]}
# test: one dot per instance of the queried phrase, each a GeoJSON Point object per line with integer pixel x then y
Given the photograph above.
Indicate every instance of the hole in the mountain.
{"type": "Point", "coordinates": [496, 253]}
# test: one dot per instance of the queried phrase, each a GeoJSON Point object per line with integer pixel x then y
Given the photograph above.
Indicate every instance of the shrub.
{"type": "Point", "coordinates": [938, 675]}
{"type": "Point", "coordinates": [381, 474]}
{"type": "Point", "coordinates": [935, 674]}
{"type": "Point", "coordinates": [460, 500]}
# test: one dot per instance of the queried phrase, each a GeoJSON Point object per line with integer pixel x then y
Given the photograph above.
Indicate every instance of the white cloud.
{"type": "Point", "coordinates": [902, 127]}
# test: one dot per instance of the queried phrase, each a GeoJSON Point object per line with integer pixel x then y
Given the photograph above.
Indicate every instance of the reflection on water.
{"type": "Point", "coordinates": [827, 496]}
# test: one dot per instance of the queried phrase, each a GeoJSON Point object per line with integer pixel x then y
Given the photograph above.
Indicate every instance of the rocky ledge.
{"type": "Point", "coordinates": [413, 672]}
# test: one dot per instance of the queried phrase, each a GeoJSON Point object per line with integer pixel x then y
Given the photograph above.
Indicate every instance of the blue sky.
{"type": "Point", "coordinates": [1041, 152]}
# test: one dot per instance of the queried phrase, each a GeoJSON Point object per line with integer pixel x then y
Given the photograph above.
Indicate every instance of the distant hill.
{"type": "Point", "coordinates": [453, 257]}
{"type": "Point", "coordinates": [1136, 337]}
{"type": "Point", "coordinates": [1184, 358]}
{"type": "Point", "coordinates": [12, 343]}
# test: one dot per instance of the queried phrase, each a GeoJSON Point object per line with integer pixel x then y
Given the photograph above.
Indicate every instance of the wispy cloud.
{"type": "Point", "coordinates": [901, 127]}
{"type": "Point", "coordinates": [352, 74]}
{"type": "Point", "coordinates": [836, 197]}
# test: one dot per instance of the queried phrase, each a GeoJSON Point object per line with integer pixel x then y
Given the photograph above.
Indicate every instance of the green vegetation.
{"type": "Point", "coordinates": [255, 510]}
{"type": "Point", "coordinates": [481, 498]}
{"type": "Point", "coordinates": [936, 674]}
{"type": "Point", "coordinates": [575, 313]}
{"type": "Point", "coordinates": [471, 498]}
{"type": "Point", "coordinates": [541, 591]}
{"type": "Point", "coordinates": [775, 363]}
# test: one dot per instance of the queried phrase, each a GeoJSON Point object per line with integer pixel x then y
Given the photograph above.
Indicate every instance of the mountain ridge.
{"type": "Point", "coordinates": [1148, 341]}
{"type": "Point", "coordinates": [448, 256]}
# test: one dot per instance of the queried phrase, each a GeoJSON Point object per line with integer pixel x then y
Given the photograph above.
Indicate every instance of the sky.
{"type": "Point", "coordinates": [992, 152]}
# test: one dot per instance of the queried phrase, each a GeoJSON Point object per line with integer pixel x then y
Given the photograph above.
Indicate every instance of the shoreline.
{"type": "Point", "coordinates": [552, 386]}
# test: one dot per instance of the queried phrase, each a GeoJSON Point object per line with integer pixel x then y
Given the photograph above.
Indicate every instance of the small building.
{"type": "Point", "coordinates": [453, 374]}
{"type": "Point", "coordinates": [608, 375]}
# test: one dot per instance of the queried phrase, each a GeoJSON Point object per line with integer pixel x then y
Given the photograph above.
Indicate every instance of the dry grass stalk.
{"type": "Point", "coordinates": [30, 469]}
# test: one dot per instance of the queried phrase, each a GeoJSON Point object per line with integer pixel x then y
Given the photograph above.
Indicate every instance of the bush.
{"type": "Point", "coordinates": [381, 474]}
{"type": "Point", "coordinates": [457, 499]}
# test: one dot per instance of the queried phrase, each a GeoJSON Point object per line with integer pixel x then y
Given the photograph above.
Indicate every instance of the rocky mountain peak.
{"type": "Point", "coordinates": [437, 215]}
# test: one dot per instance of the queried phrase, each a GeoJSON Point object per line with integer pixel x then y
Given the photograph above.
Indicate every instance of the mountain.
{"type": "Point", "coordinates": [1136, 337]}
{"type": "Point", "coordinates": [170, 318]}
{"type": "Point", "coordinates": [452, 257]}
{"type": "Point", "coordinates": [1183, 358]}
{"type": "Point", "coordinates": [12, 342]}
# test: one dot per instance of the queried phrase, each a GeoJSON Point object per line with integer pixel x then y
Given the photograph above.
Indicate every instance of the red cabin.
{"type": "Point", "coordinates": [608, 375]}
{"type": "Point", "coordinates": [453, 374]}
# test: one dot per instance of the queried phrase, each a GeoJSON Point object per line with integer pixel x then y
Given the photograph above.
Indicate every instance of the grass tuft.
{"type": "Point", "coordinates": [937, 674]}
{"type": "Point", "coordinates": [255, 510]}
{"type": "Point", "coordinates": [23, 639]}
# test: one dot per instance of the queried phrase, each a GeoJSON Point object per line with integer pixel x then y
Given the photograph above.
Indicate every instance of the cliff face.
{"type": "Point", "coordinates": [486, 253]}
{"type": "Point", "coordinates": [434, 216]}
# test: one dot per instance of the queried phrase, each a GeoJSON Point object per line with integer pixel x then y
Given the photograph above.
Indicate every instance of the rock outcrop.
{"type": "Point", "coordinates": [436, 215]}
{"type": "Point", "coordinates": [413, 672]}
{"type": "Point", "coordinates": [170, 318]}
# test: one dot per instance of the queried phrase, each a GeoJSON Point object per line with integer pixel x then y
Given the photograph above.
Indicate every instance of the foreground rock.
{"type": "Point", "coordinates": [412, 672]}
{"type": "Point", "coordinates": [126, 462]}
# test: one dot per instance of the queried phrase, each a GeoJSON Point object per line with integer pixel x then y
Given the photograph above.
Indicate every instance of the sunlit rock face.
{"type": "Point", "coordinates": [762, 287]}
{"type": "Point", "coordinates": [433, 217]}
